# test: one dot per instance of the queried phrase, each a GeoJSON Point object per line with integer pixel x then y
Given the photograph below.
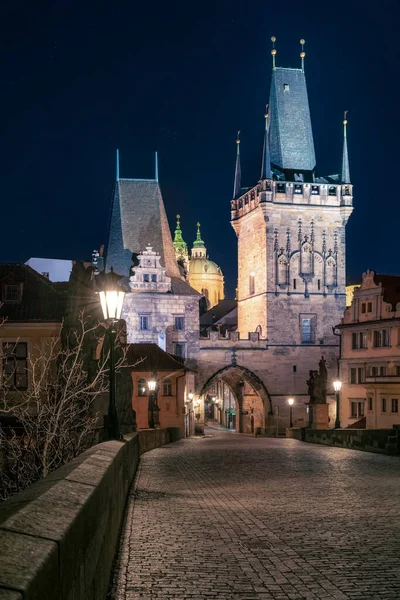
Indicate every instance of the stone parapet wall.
{"type": "Point", "coordinates": [58, 538]}
{"type": "Point", "coordinates": [371, 440]}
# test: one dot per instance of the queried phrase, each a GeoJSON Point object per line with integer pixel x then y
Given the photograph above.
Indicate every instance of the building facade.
{"type": "Point", "coordinates": [290, 227]}
{"type": "Point", "coordinates": [370, 354]}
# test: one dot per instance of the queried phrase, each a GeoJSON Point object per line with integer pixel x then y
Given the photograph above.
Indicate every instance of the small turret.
{"type": "Point", "coordinates": [238, 172]}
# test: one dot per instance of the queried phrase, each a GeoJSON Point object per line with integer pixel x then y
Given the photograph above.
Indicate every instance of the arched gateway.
{"type": "Point", "coordinates": [251, 404]}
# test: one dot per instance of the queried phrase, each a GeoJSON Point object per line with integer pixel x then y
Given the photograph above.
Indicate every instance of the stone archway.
{"type": "Point", "coordinates": [253, 403]}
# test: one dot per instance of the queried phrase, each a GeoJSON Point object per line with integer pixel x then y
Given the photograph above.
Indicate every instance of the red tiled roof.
{"type": "Point", "coordinates": [152, 358]}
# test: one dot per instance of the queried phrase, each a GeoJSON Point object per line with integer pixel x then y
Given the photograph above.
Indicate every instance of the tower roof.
{"type": "Point", "coordinates": [179, 243]}
{"type": "Point", "coordinates": [291, 138]}
{"type": "Point", "coordinates": [138, 219]}
{"type": "Point", "coordinates": [345, 158]}
{"type": "Point", "coordinates": [238, 172]}
{"type": "Point", "coordinates": [198, 243]}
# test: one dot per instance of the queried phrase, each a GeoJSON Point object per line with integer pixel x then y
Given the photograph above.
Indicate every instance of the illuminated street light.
{"type": "Point", "coordinates": [337, 386]}
{"type": "Point", "coordinates": [291, 402]}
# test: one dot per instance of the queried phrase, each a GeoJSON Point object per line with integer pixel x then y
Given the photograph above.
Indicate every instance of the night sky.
{"type": "Point", "coordinates": [80, 79]}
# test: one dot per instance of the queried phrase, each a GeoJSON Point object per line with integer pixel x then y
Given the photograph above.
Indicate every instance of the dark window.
{"type": "Point", "coordinates": [383, 404]}
{"type": "Point", "coordinates": [354, 341]}
{"type": "Point", "coordinates": [251, 284]}
{"type": "Point", "coordinates": [362, 339]}
{"type": "Point", "coordinates": [15, 365]}
{"type": "Point", "coordinates": [395, 405]}
{"type": "Point", "coordinates": [353, 375]}
{"type": "Point", "coordinates": [280, 188]}
{"type": "Point", "coordinates": [167, 387]}
{"type": "Point", "coordinates": [179, 323]}
{"type": "Point", "coordinates": [374, 371]}
{"type": "Point", "coordinates": [146, 277]}
{"type": "Point", "coordinates": [369, 307]}
{"type": "Point", "coordinates": [332, 191]}
{"type": "Point", "coordinates": [294, 368]}
{"type": "Point", "coordinates": [306, 330]}
{"type": "Point", "coordinates": [144, 322]}
{"type": "Point", "coordinates": [363, 309]}
{"type": "Point", "coordinates": [382, 371]}
{"type": "Point", "coordinates": [360, 374]}
{"type": "Point", "coordinates": [180, 350]}
{"type": "Point", "coordinates": [294, 284]}
{"type": "Point", "coordinates": [12, 294]}
{"type": "Point", "coordinates": [385, 337]}
{"type": "Point", "coordinates": [319, 284]}
{"type": "Point", "coordinates": [142, 387]}
{"type": "Point", "coordinates": [397, 370]}
{"type": "Point", "coordinates": [369, 403]}
{"type": "Point", "coordinates": [154, 278]}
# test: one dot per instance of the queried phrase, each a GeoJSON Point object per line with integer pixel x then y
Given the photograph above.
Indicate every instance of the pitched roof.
{"type": "Point", "coordinates": [138, 219]}
{"type": "Point", "coordinates": [40, 300]}
{"type": "Point", "coordinates": [152, 358]}
{"type": "Point", "coordinates": [291, 138]}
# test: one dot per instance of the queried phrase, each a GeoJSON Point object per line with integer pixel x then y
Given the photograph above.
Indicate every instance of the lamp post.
{"type": "Point", "coordinates": [337, 386]}
{"type": "Point", "coordinates": [291, 402]}
{"type": "Point", "coordinates": [152, 384]}
{"type": "Point", "coordinates": [112, 299]}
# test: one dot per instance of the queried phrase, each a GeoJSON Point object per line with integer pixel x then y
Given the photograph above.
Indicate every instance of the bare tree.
{"type": "Point", "coordinates": [55, 419]}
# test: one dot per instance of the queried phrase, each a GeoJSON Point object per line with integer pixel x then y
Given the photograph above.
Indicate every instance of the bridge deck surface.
{"type": "Point", "coordinates": [234, 517]}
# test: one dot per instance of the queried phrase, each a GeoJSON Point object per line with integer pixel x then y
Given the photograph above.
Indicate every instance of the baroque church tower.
{"type": "Point", "coordinates": [291, 228]}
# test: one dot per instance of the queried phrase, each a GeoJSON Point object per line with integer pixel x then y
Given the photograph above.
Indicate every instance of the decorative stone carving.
{"type": "Point", "coordinates": [149, 275]}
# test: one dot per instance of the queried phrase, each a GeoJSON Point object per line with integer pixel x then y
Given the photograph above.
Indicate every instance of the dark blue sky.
{"type": "Point", "coordinates": [80, 79]}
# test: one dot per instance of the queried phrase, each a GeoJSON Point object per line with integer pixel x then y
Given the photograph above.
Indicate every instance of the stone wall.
{"type": "Point", "coordinates": [58, 538]}
{"type": "Point", "coordinates": [371, 440]}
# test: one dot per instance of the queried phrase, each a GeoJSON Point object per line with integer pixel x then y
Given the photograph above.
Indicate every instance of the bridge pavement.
{"type": "Point", "coordinates": [233, 517]}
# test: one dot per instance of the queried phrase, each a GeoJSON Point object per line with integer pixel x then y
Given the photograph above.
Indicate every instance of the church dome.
{"type": "Point", "coordinates": [203, 266]}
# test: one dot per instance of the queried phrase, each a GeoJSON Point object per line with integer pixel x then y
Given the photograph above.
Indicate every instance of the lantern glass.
{"type": "Point", "coordinates": [291, 401]}
{"type": "Point", "coordinates": [190, 396]}
{"type": "Point", "coordinates": [111, 303]}
{"type": "Point", "coordinates": [337, 386]}
{"type": "Point", "coordinates": [152, 385]}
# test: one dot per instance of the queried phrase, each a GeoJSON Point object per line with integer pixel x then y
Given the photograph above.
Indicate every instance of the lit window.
{"type": "Point", "coordinates": [12, 294]}
{"type": "Point", "coordinates": [15, 365]}
{"type": "Point", "coordinates": [144, 322]}
{"type": "Point", "coordinates": [179, 323]}
{"type": "Point", "coordinates": [251, 284]}
{"type": "Point", "coordinates": [142, 387]}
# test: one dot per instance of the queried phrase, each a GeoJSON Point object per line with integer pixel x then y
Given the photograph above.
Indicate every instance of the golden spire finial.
{"type": "Point", "coordinates": [302, 53]}
{"type": "Point", "coordinates": [238, 137]}
{"type": "Point", "coordinates": [345, 117]}
{"type": "Point", "coordinates": [273, 51]}
{"type": "Point", "coordinates": [198, 224]}
{"type": "Point", "coordinates": [178, 217]}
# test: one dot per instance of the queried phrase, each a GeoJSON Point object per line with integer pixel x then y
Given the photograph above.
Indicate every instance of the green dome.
{"type": "Point", "coordinates": [203, 266]}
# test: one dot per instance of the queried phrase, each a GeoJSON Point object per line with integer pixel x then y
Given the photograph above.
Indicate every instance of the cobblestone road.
{"type": "Point", "coordinates": [233, 517]}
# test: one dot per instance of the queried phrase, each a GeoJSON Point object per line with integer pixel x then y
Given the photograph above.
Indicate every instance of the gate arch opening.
{"type": "Point", "coordinates": [238, 399]}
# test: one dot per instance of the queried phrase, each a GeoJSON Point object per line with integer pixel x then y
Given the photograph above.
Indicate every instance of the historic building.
{"type": "Point", "coordinates": [290, 227]}
{"type": "Point", "coordinates": [370, 354]}
{"type": "Point", "coordinates": [203, 274]}
{"type": "Point", "coordinates": [160, 306]}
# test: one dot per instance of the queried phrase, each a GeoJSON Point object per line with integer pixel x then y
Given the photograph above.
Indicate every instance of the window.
{"type": "Point", "coordinates": [167, 388]}
{"type": "Point", "coordinates": [144, 322]}
{"type": "Point", "coordinates": [294, 368]}
{"type": "Point", "coordinates": [358, 340]}
{"type": "Point", "coordinates": [369, 403]}
{"type": "Point", "coordinates": [306, 331]}
{"type": "Point", "coordinates": [319, 284]}
{"type": "Point", "coordinates": [363, 307]}
{"type": "Point", "coordinates": [294, 284]}
{"type": "Point", "coordinates": [398, 370]}
{"type": "Point", "coordinates": [179, 323]}
{"type": "Point", "coordinates": [15, 364]}
{"type": "Point", "coordinates": [154, 278]}
{"type": "Point", "coordinates": [285, 87]}
{"type": "Point", "coordinates": [381, 338]}
{"type": "Point", "coordinates": [179, 350]}
{"type": "Point", "coordinates": [382, 371]}
{"type": "Point", "coordinates": [354, 341]}
{"type": "Point", "coordinates": [360, 375]}
{"type": "Point", "coordinates": [356, 409]}
{"type": "Point", "coordinates": [395, 405]}
{"type": "Point", "coordinates": [251, 284]}
{"type": "Point", "coordinates": [369, 307]}
{"type": "Point", "coordinates": [383, 404]}
{"type": "Point", "coordinates": [12, 294]}
{"type": "Point", "coordinates": [142, 387]}
{"type": "Point", "coordinates": [353, 375]}
{"type": "Point", "coordinates": [146, 277]}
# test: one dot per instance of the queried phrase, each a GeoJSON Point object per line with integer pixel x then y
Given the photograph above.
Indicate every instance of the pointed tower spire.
{"type": "Point", "coordinates": [302, 54]}
{"type": "Point", "coordinates": [181, 250]}
{"type": "Point", "coordinates": [156, 167]}
{"type": "Point", "coordinates": [273, 51]}
{"type": "Point", "coordinates": [266, 159]}
{"type": "Point", "coordinates": [117, 165]}
{"type": "Point", "coordinates": [238, 172]}
{"type": "Point", "coordinates": [345, 159]}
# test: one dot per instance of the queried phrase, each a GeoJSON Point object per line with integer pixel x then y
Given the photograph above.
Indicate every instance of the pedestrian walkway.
{"type": "Point", "coordinates": [232, 517]}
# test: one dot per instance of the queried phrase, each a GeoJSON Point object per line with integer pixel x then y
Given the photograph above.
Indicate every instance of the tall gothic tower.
{"type": "Point", "coordinates": [291, 228]}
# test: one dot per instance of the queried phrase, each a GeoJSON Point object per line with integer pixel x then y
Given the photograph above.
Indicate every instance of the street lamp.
{"type": "Point", "coordinates": [153, 408]}
{"type": "Point", "coordinates": [337, 386]}
{"type": "Point", "coordinates": [291, 402]}
{"type": "Point", "coordinates": [112, 299]}
{"type": "Point", "coordinates": [190, 396]}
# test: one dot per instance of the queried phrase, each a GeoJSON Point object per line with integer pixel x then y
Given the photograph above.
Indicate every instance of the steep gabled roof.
{"type": "Point", "coordinates": [40, 300]}
{"type": "Point", "coordinates": [138, 219]}
{"type": "Point", "coordinates": [152, 358]}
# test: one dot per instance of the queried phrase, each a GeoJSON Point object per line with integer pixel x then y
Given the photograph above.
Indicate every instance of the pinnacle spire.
{"type": "Point", "coordinates": [238, 172]}
{"type": "Point", "coordinates": [266, 159]}
{"type": "Point", "coordinates": [179, 243]}
{"type": "Point", "coordinates": [198, 242]}
{"type": "Point", "coordinates": [345, 158]}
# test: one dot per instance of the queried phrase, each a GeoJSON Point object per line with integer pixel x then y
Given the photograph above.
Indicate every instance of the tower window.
{"type": "Point", "coordinates": [144, 322]}
{"type": "Point", "coordinates": [286, 87]}
{"type": "Point", "coordinates": [251, 284]}
{"type": "Point", "coordinates": [179, 323]}
{"type": "Point", "coordinates": [294, 284]}
{"type": "Point", "coordinates": [307, 330]}
{"type": "Point", "coordinates": [319, 284]}
{"type": "Point", "coordinates": [294, 368]}
{"type": "Point", "coordinates": [154, 278]}
{"type": "Point", "coordinates": [146, 277]}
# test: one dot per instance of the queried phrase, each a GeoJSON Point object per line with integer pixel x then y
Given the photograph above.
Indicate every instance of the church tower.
{"type": "Point", "coordinates": [205, 275]}
{"type": "Point", "coordinates": [291, 229]}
